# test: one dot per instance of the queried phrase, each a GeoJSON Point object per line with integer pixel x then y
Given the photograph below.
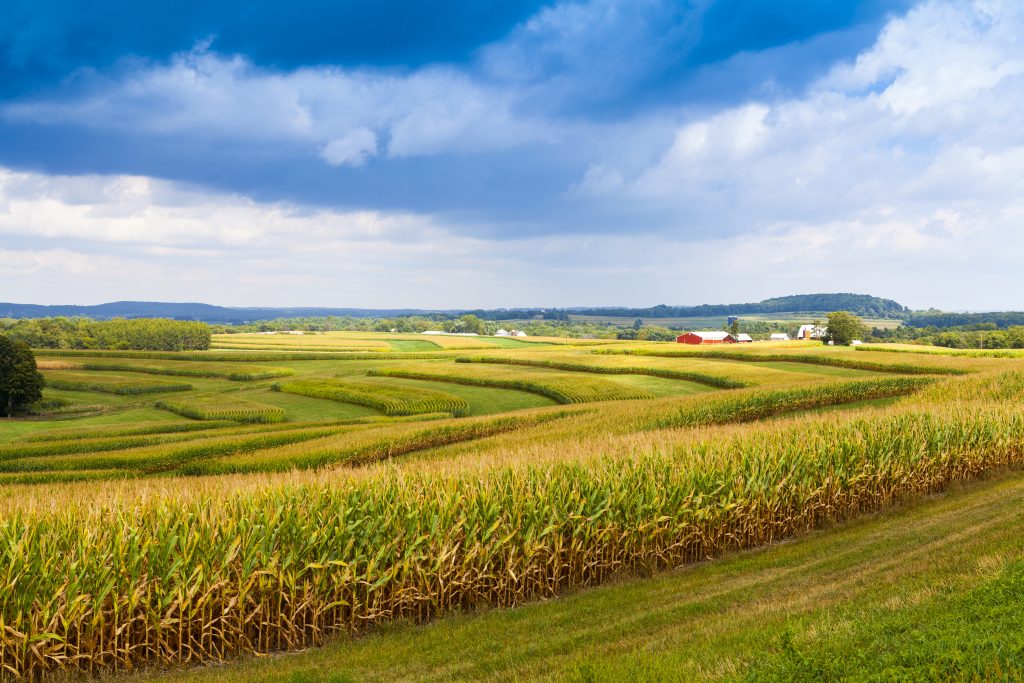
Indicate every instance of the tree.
{"type": "Point", "coordinates": [466, 324]}
{"type": "Point", "coordinates": [843, 327]}
{"type": "Point", "coordinates": [637, 324]}
{"type": "Point", "coordinates": [734, 329]}
{"type": "Point", "coordinates": [21, 384]}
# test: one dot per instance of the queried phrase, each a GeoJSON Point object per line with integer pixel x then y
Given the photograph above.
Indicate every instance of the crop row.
{"type": "Point", "coordinates": [943, 351]}
{"type": "Point", "coordinates": [370, 445]}
{"type": "Point", "coordinates": [236, 356]}
{"type": "Point", "coordinates": [237, 373]}
{"type": "Point", "coordinates": [295, 347]}
{"type": "Point", "coordinates": [73, 434]}
{"type": "Point", "coordinates": [560, 388]}
{"type": "Point", "coordinates": [759, 405]}
{"type": "Point", "coordinates": [224, 408]}
{"type": "Point", "coordinates": [287, 566]}
{"type": "Point", "coordinates": [120, 388]}
{"type": "Point", "coordinates": [167, 457]}
{"type": "Point", "coordinates": [805, 358]}
{"type": "Point", "coordinates": [128, 439]}
{"type": "Point", "coordinates": [388, 399]}
{"type": "Point", "coordinates": [575, 366]}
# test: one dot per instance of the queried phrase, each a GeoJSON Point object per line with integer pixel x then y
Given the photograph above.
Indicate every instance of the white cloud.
{"type": "Point", "coordinates": [912, 150]}
{"type": "Point", "coordinates": [352, 149]}
{"type": "Point", "coordinates": [211, 96]}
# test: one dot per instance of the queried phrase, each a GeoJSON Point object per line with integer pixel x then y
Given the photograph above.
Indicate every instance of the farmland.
{"type": "Point", "coordinates": [282, 491]}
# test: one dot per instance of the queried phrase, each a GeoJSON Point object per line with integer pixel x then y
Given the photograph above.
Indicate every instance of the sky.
{"type": "Point", "coordinates": [486, 153]}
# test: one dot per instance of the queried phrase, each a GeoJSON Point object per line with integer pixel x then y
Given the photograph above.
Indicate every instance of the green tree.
{"type": "Point", "coordinates": [466, 324]}
{"type": "Point", "coordinates": [843, 327]}
{"type": "Point", "coordinates": [21, 384]}
{"type": "Point", "coordinates": [637, 324]}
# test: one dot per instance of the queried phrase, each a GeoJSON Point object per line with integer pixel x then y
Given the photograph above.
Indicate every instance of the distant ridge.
{"type": "Point", "coordinates": [861, 304]}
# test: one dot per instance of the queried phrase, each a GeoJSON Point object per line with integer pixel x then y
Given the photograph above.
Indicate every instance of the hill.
{"type": "Point", "coordinates": [861, 304]}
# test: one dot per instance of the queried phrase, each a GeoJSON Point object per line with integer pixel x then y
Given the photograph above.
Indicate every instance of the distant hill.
{"type": "Point", "coordinates": [1001, 319]}
{"type": "Point", "coordinates": [188, 311]}
{"type": "Point", "coordinates": [861, 304]}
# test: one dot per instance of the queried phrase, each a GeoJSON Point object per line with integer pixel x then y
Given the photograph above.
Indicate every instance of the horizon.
{"type": "Point", "coordinates": [483, 155]}
{"type": "Point", "coordinates": [433, 310]}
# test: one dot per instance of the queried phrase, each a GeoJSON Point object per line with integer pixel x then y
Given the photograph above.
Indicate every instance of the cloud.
{"type": "Point", "coordinates": [916, 124]}
{"type": "Point", "coordinates": [204, 95]}
{"type": "Point", "coordinates": [560, 167]}
{"type": "Point", "coordinates": [352, 149]}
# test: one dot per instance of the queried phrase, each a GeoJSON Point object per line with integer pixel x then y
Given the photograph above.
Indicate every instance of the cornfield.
{"type": "Point", "coordinates": [209, 578]}
{"type": "Point", "coordinates": [806, 358]}
{"type": "Point", "coordinates": [161, 541]}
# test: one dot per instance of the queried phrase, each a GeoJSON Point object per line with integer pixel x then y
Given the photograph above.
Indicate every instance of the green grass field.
{"type": "Point", "coordinates": [514, 511]}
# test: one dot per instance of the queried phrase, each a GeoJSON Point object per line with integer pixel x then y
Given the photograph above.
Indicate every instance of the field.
{"type": "Point", "coordinates": [306, 489]}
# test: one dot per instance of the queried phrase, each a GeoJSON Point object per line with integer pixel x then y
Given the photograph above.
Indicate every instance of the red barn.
{"type": "Point", "coordinates": [706, 338]}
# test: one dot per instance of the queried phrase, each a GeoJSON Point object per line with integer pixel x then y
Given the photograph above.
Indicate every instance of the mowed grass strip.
{"type": "Point", "coordinates": [223, 407]}
{"type": "Point", "coordinates": [563, 388]}
{"type": "Point", "coordinates": [388, 399]}
{"type": "Point", "coordinates": [109, 384]}
{"type": "Point", "coordinates": [806, 358]}
{"type": "Point", "coordinates": [577, 366]}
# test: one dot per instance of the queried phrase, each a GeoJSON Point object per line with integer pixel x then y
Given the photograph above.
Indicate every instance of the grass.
{"type": "Point", "coordinates": [387, 399]}
{"type": "Point", "coordinates": [880, 594]}
{"type": "Point", "coordinates": [481, 400]}
{"type": "Point", "coordinates": [300, 408]}
{"type": "Point", "coordinates": [107, 383]}
{"type": "Point", "coordinates": [560, 387]}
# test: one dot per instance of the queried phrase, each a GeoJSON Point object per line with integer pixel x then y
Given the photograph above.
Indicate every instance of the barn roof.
{"type": "Point", "coordinates": [718, 336]}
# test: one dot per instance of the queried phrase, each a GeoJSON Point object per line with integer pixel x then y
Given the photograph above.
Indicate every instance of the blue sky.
{"type": "Point", "coordinates": [484, 153]}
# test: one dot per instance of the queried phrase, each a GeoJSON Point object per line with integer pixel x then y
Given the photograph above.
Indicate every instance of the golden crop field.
{"type": "Point", "coordinates": [187, 508]}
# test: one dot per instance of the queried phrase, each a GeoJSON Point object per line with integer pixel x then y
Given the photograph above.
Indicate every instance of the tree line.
{"type": "Point", "coordinates": [139, 334]}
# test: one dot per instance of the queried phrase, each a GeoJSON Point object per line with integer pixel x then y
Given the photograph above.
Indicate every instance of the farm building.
{"type": "Point", "coordinates": [779, 336]}
{"type": "Point", "coordinates": [744, 338]}
{"type": "Point", "coordinates": [706, 338]}
{"type": "Point", "coordinates": [810, 332]}
{"type": "Point", "coordinates": [502, 333]}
